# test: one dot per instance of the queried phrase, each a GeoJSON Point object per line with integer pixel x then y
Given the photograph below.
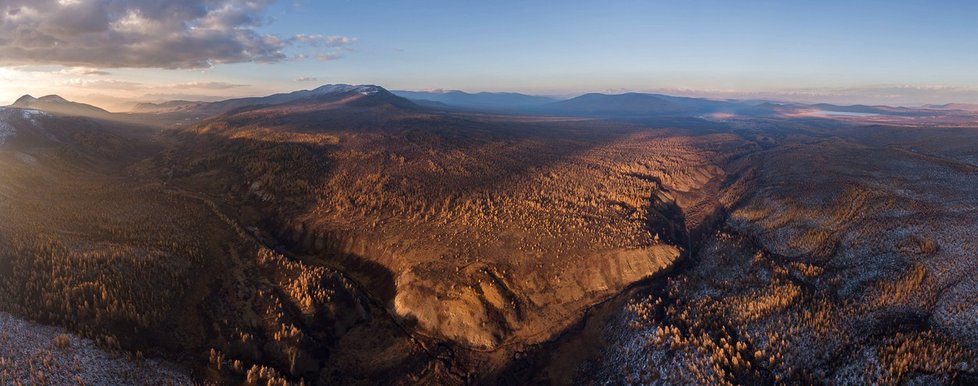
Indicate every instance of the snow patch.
{"type": "Point", "coordinates": [346, 88]}
{"type": "Point", "coordinates": [8, 115]}
{"type": "Point", "coordinates": [368, 90]}
{"type": "Point", "coordinates": [32, 115]}
{"type": "Point", "coordinates": [6, 129]}
{"type": "Point", "coordinates": [69, 359]}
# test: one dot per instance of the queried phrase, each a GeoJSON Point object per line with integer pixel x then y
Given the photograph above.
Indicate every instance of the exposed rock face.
{"type": "Point", "coordinates": [481, 307]}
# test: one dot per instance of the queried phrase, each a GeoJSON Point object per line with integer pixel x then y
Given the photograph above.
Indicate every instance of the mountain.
{"type": "Point", "coordinates": [636, 105]}
{"type": "Point", "coordinates": [58, 105]}
{"type": "Point", "coordinates": [876, 110]}
{"type": "Point", "coordinates": [770, 109]}
{"type": "Point", "coordinates": [355, 96]}
{"type": "Point", "coordinates": [955, 106]}
{"type": "Point", "coordinates": [165, 107]}
{"type": "Point", "coordinates": [492, 101]}
{"type": "Point", "coordinates": [361, 95]}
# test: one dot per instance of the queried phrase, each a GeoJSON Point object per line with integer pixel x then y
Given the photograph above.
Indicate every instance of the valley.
{"type": "Point", "coordinates": [346, 235]}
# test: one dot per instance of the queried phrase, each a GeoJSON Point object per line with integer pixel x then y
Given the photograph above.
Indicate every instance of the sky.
{"type": "Point", "coordinates": [114, 53]}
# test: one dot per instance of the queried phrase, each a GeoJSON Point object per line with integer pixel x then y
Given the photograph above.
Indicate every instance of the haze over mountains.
{"type": "Point", "coordinates": [486, 101]}
{"type": "Point", "coordinates": [627, 105]}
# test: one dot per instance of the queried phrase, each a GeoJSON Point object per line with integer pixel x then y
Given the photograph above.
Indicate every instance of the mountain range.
{"type": "Point", "coordinates": [597, 105]}
{"type": "Point", "coordinates": [501, 101]}
{"type": "Point", "coordinates": [321, 94]}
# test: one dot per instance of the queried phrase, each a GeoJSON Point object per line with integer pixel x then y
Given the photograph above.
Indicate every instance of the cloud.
{"type": "Point", "coordinates": [96, 72]}
{"type": "Point", "coordinates": [324, 41]}
{"type": "Point", "coordinates": [143, 33]}
{"type": "Point", "coordinates": [103, 84]}
{"type": "Point", "coordinates": [325, 57]}
{"type": "Point", "coordinates": [163, 97]}
{"type": "Point", "coordinates": [208, 85]}
{"type": "Point", "coordinates": [60, 70]}
{"type": "Point", "coordinates": [306, 79]}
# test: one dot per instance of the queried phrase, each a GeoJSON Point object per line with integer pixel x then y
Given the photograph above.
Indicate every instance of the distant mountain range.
{"type": "Point", "coordinates": [486, 101]}
{"type": "Point", "coordinates": [593, 104]}
{"type": "Point", "coordinates": [166, 107]}
{"type": "Point", "coordinates": [318, 95]}
{"type": "Point", "coordinates": [638, 105]}
{"type": "Point", "coordinates": [956, 106]}
{"type": "Point", "coordinates": [627, 105]}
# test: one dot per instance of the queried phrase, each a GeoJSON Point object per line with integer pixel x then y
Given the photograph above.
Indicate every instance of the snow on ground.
{"type": "Point", "coordinates": [6, 129]}
{"type": "Point", "coordinates": [32, 115]}
{"type": "Point", "coordinates": [36, 354]}
{"type": "Point", "coordinates": [7, 115]}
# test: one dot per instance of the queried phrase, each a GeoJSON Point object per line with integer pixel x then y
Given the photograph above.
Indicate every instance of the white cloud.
{"type": "Point", "coordinates": [325, 57]}
{"type": "Point", "coordinates": [103, 84]}
{"type": "Point", "coordinates": [143, 33]}
{"type": "Point", "coordinates": [207, 85]}
{"type": "Point", "coordinates": [324, 41]}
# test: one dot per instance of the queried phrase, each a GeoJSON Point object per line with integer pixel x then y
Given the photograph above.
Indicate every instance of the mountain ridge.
{"type": "Point", "coordinates": [493, 101]}
{"type": "Point", "coordinates": [58, 105]}
{"type": "Point", "coordinates": [238, 104]}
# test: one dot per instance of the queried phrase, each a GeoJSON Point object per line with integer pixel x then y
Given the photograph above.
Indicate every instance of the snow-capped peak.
{"type": "Point", "coordinates": [346, 88]}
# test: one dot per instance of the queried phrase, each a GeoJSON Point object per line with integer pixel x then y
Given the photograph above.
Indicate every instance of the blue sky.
{"type": "Point", "coordinates": [584, 45]}
{"type": "Point", "coordinates": [898, 52]}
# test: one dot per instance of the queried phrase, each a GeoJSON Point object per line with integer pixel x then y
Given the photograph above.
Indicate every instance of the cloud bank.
{"type": "Point", "coordinates": [143, 33]}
